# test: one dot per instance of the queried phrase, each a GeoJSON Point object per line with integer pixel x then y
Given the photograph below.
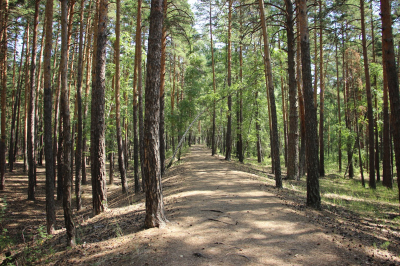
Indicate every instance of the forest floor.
{"type": "Point", "coordinates": [219, 214]}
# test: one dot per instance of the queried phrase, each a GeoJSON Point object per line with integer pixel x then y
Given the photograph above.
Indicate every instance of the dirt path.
{"type": "Point", "coordinates": [218, 216]}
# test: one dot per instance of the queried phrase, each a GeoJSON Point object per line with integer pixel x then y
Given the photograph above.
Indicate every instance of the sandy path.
{"type": "Point", "coordinates": [220, 216]}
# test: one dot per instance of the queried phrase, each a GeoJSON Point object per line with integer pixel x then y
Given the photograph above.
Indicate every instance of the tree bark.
{"type": "Point", "coordinates": [162, 89]}
{"type": "Point", "coordinates": [97, 136]}
{"type": "Point", "coordinates": [293, 140]}
{"type": "Point", "coordinates": [321, 98]}
{"type": "Point", "coordinates": [370, 112]}
{"type": "Point", "coordinates": [155, 216]}
{"type": "Point", "coordinates": [213, 142]}
{"type": "Point", "coordinates": [78, 153]}
{"type": "Point", "coordinates": [228, 142]}
{"type": "Point", "coordinates": [136, 73]}
{"type": "Point", "coordinates": [141, 122]}
{"type": "Point", "coordinates": [338, 106]}
{"type": "Point", "coordinates": [302, 151]}
{"type": "Point", "coordinates": [14, 113]}
{"type": "Point", "coordinates": [47, 109]}
{"type": "Point", "coordinates": [387, 178]}
{"type": "Point", "coordinates": [3, 76]}
{"type": "Point", "coordinates": [65, 114]}
{"type": "Point", "coordinates": [31, 112]}
{"type": "Point", "coordinates": [26, 103]}
{"type": "Point", "coordinates": [240, 94]}
{"type": "Point", "coordinates": [313, 194]}
{"type": "Point", "coordinates": [393, 80]}
{"type": "Point", "coordinates": [270, 87]}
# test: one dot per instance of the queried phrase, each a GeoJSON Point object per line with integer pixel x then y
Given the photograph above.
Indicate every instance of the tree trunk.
{"type": "Point", "coordinates": [137, 72]}
{"type": "Point", "coordinates": [293, 148]}
{"type": "Point", "coordinates": [393, 81]}
{"type": "Point", "coordinates": [26, 103]}
{"type": "Point", "coordinates": [31, 112]}
{"type": "Point", "coordinates": [229, 125]}
{"type": "Point", "coordinates": [121, 155]}
{"type": "Point", "coordinates": [370, 112]}
{"type": "Point", "coordinates": [141, 123]}
{"type": "Point", "coordinates": [78, 153]}
{"type": "Point", "coordinates": [154, 199]}
{"type": "Point", "coordinates": [240, 94]}
{"type": "Point", "coordinates": [15, 110]}
{"type": "Point", "coordinates": [387, 178]}
{"type": "Point", "coordinates": [111, 174]}
{"type": "Point", "coordinates": [65, 114]}
{"type": "Point", "coordinates": [302, 151]}
{"type": "Point", "coordinates": [338, 106]}
{"type": "Point", "coordinates": [321, 98]}
{"type": "Point", "coordinates": [313, 194]}
{"type": "Point", "coordinates": [97, 136]}
{"type": "Point", "coordinates": [47, 109]}
{"type": "Point", "coordinates": [258, 129]}
{"type": "Point", "coordinates": [213, 143]}
{"type": "Point", "coordinates": [3, 77]}
{"type": "Point", "coordinates": [270, 86]}
{"type": "Point", "coordinates": [162, 89]}
{"type": "Point", "coordinates": [87, 87]}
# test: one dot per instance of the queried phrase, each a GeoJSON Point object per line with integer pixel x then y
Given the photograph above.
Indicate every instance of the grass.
{"type": "Point", "coordinates": [380, 205]}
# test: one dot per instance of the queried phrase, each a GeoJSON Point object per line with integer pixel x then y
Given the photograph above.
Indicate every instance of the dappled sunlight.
{"type": "Point", "coordinates": [218, 215]}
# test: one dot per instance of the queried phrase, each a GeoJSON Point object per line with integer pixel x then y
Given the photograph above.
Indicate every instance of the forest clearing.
{"type": "Point", "coordinates": [218, 214]}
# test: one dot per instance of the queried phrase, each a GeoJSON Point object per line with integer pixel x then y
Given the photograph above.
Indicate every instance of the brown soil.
{"type": "Point", "coordinates": [218, 213]}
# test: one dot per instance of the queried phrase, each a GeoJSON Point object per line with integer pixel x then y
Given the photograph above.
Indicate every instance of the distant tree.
{"type": "Point", "coordinates": [228, 144]}
{"type": "Point", "coordinates": [121, 155]}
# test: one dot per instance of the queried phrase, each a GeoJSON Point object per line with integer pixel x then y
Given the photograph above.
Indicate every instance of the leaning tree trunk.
{"type": "Point", "coordinates": [97, 136]}
{"type": "Point", "coordinates": [270, 87]}
{"type": "Point", "coordinates": [155, 216]}
{"type": "Point", "coordinates": [313, 194]}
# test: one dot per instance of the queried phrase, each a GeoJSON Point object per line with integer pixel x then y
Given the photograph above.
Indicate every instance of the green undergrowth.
{"type": "Point", "coordinates": [380, 205]}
